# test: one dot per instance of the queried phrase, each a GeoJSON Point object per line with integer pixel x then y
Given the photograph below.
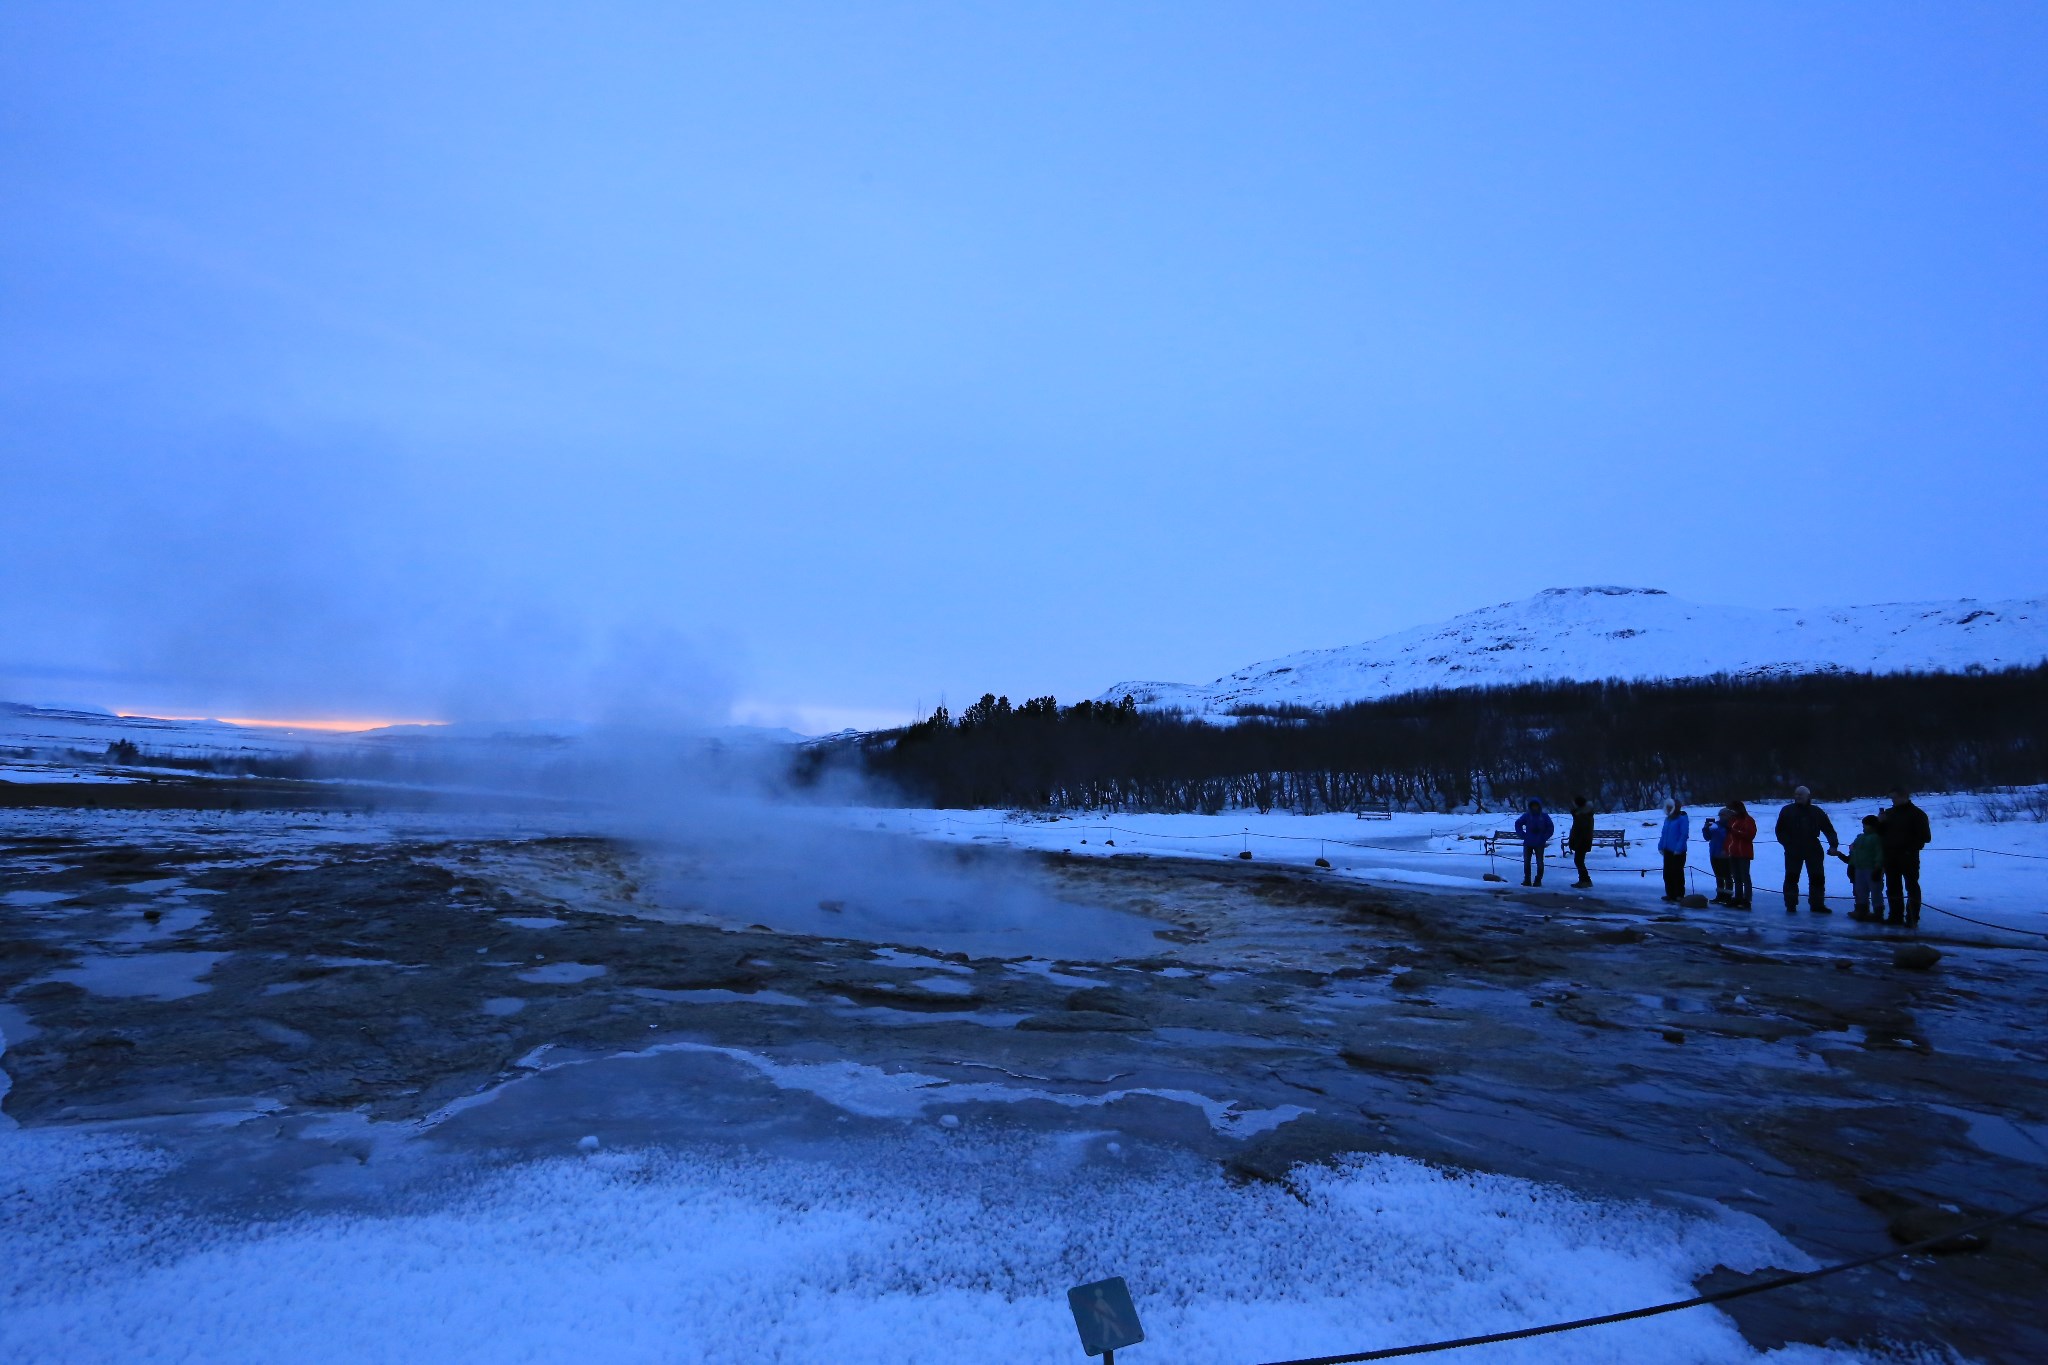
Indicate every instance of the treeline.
{"type": "Point", "coordinates": [127, 753]}
{"type": "Point", "coordinates": [1625, 744]}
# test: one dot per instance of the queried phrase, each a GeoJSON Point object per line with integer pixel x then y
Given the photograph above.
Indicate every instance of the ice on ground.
{"type": "Point", "coordinates": [934, 1246]}
{"type": "Point", "coordinates": [562, 973]}
{"type": "Point", "coordinates": [145, 976]}
{"type": "Point", "coordinates": [26, 900]}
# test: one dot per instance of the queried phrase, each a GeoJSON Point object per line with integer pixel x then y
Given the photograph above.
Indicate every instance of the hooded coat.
{"type": "Point", "coordinates": [1535, 827]}
{"type": "Point", "coordinates": [1581, 839]}
{"type": "Point", "coordinates": [1677, 829]}
{"type": "Point", "coordinates": [1741, 836]}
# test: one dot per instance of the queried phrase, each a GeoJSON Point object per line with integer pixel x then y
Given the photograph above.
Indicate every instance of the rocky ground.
{"type": "Point", "coordinates": [513, 994]}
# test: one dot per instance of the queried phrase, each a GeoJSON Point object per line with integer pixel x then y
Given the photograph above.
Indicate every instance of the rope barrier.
{"type": "Point", "coordinates": [1467, 853]}
{"type": "Point", "coordinates": [1720, 1296]}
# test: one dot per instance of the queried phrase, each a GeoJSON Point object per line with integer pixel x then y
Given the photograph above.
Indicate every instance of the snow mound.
{"type": "Point", "coordinates": [1634, 633]}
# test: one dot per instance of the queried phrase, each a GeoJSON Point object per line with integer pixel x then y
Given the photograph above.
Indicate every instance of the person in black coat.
{"type": "Point", "coordinates": [1902, 829]}
{"type": "Point", "coordinates": [1580, 840]}
{"type": "Point", "coordinates": [1800, 827]}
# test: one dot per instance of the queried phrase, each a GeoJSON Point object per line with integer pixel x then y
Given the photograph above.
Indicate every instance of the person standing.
{"type": "Point", "coordinates": [1580, 841]}
{"type": "Point", "coordinates": [1800, 827]}
{"type": "Point", "coordinates": [1671, 843]}
{"type": "Point", "coordinates": [1904, 832]}
{"type": "Point", "coordinates": [1535, 827]}
{"type": "Point", "coordinates": [1740, 850]}
{"type": "Point", "coordinates": [1715, 833]}
{"type": "Point", "coordinates": [1866, 871]}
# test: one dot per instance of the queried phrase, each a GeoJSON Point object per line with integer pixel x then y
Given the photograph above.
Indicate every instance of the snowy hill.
{"type": "Point", "coordinates": [1592, 633]}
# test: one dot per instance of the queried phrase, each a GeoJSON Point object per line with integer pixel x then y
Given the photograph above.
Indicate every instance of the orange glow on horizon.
{"type": "Point", "coordinates": [266, 723]}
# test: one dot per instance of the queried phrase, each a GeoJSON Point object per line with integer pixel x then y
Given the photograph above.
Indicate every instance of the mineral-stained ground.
{"type": "Point", "coordinates": [511, 993]}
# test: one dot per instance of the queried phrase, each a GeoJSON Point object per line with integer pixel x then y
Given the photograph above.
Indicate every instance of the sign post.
{"type": "Point", "coordinates": [1105, 1317]}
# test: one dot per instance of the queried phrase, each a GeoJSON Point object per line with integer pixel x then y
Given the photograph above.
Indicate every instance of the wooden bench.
{"type": "Point", "coordinates": [1375, 810]}
{"type": "Point", "coordinates": [1509, 841]}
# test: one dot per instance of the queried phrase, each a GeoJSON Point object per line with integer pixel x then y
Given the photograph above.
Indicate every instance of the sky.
{"type": "Point", "coordinates": [811, 363]}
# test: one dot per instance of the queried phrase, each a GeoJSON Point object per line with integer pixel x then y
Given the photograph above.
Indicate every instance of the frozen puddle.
{"type": "Point", "coordinates": [26, 900]}
{"type": "Point", "coordinates": [142, 976]}
{"type": "Point", "coordinates": [926, 1247]}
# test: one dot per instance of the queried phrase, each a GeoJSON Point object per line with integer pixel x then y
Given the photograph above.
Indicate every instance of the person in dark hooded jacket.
{"type": "Point", "coordinates": [1580, 840]}
{"type": "Point", "coordinates": [1800, 827]}
{"type": "Point", "coordinates": [1902, 829]}
{"type": "Point", "coordinates": [1535, 829]}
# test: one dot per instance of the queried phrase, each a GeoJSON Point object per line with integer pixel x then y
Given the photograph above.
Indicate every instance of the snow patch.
{"type": "Point", "coordinates": [916, 1249]}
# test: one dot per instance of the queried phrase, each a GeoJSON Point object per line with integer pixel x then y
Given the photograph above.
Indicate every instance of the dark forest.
{"type": "Point", "coordinates": [1625, 744]}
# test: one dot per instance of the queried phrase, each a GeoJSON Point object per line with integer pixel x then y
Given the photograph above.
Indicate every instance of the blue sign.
{"type": "Point", "coordinates": [1105, 1316]}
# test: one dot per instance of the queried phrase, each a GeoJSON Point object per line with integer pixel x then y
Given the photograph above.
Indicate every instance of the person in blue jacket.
{"type": "Point", "coordinates": [1535, 828]}
{"type": "Point", "coordinates": [1671, 843]}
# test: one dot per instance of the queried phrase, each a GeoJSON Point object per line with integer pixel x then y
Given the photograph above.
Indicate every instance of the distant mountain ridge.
{"type": "Point", "coordinates": [1633, 633]}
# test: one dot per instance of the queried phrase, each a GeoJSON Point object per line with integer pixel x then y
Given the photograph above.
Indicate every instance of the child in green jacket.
{"type": "Point", "coordinates": [1866, 869]}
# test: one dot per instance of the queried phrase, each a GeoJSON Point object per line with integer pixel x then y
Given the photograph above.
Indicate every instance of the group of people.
{"type": "Point", "coordinates": [1883, 860]}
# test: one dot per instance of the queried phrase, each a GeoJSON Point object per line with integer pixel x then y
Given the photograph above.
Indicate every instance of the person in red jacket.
{"type": "Point", "coordinates": [1739, 850]}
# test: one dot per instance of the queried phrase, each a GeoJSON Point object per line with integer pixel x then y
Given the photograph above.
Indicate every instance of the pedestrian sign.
{"type": "Point", "coordinates": [1105, 1316]}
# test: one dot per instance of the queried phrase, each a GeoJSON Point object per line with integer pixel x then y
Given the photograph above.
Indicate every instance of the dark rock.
{"type": "Point", "coordinates": [1673, 1035]}
{"type": "Point", "coordinates": [1393, 1057]}
{"type": "Point", "coordinates": [903, 997]}
{"type": "Point", "coordinates": [1922, 1222]}
{"type": "Point", "coordinates": [1495, 877]}
{"type": "Point", "coordinates": [1915, 957]}
{"type": "Point", "coordinates": [1695, 901]}
{"type": "Point", "coordinates": [1105, 1000]}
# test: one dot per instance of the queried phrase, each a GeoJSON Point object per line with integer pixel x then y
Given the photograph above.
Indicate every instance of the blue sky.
{"type": "Point", "coordinates": [486, 360]}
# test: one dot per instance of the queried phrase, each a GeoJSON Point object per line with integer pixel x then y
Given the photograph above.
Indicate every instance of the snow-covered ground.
{"type": "Point", "coordinates": [1989, 868]}
{"type": "Point", "coordinates": [944, 1238]}
{"type": "Point", "coordinates": [943, 1245]}
{"type": "Point", "coordinates": [1566, 633]}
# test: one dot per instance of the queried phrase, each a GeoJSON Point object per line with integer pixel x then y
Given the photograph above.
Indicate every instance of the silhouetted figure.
{"type": "Point", "coordinates": [1581, 838]}
{"type": "Point", "coordinates": [1535, 828]}
{"type": "Point", "coordinates": [1800, 827]}
{"type": "Point", "coordinates": [1903, 831]}
{"type": "Point", "coordinates": [1866, 871]}
{"type": "Point", "coordinates": [1671, 843]}
{"type": "Point", "coordinates": [1714, 832]}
